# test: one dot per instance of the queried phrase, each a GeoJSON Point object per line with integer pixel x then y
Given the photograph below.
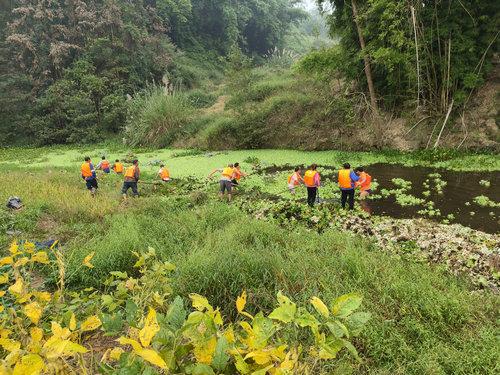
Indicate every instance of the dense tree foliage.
{"type": "Point", "coordinates": [453, 39]}
{"type": "Point", "coordinates": [68, 66]}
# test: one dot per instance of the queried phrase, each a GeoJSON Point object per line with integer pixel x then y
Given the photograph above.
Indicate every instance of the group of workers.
{"type": "Point", "coordinates": [230, 176]}
{"type": "Point", "coordinates": [348, 181]}
{"type": "Point", "coordinates": [130, 174]}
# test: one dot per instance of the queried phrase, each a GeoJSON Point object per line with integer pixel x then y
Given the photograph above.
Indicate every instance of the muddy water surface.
{"type": "Point", "coordinates": [462, 187]}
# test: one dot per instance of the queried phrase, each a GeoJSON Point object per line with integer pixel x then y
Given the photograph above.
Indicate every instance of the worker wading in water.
{"type": "Point", "coordinates": [89, 175]}
{"type": "Point", "coordinates": [312, 180]}
{"type": "Point", "coordinates": [364, 183]}
{"type": "Point", "coordinates": [131, 177]}
{"type": "Point", "coordinates": [347, 180]}
{"type": "Point", "coordinates": [225, 182]}
{"type": "Point", "coordinates": [294, 180]}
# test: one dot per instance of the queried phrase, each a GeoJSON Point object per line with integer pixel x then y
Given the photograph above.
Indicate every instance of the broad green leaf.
{"type": "Point", "coordinates": [221, 357]}
{"type": "Point", "coordinates": [30, 364]}
{"type": "Point", "coordinates": [286, 311]}
{"type": "Point", "coordinates": [202, 369]}
{"type": "Point", "coordinates": [357, 321]}
{"type": "Point", "coordinates": [329, 349]}
{"type": "Point", "coordinates": [118, 274]}
{"type": "Point", "coordinates": [344, 305]}
{"type": "Point", "coordinates": [338, 329]}
{"type": "Point", "coordinates": [176, 314]}
{"type": "Point", "coordinates": [305, 319]}
{"type": "Point", "coordinates": [241, 365]}
{"type": "Point", "coordinates": [320, 306]}
{"type": "Point", "coordinates": [352, 350]}
{"type": "Point", "coordinates": [131, 310]}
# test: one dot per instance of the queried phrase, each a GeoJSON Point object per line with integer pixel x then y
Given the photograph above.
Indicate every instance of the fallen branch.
{"type": "Point", "coordinates": [444, 123]}
{"type": "Point", "coordinates": [414, 126]}
{"type": "Point", "coordinates": [466, 131]}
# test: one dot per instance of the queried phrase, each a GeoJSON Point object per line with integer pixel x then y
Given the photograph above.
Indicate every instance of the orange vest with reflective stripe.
{"type": "Point", "coordinates": [164, 174]}
{"type": "Point", "coordinates": [227, 172]}
{"type": "Point", "coordinates": [118, 167]}
{"type": "Point", "coordinates": [105, 164]}
{"type": "Point", "coordinates": [345, 179]}
{"type": "Point", "coordinates": [309, 178]}
{"type": "Point", "coordinates": [297, 180]}
{"type": "Point", "coordinates": [86, 171]}
{"type": "Point", "coordinates": [366, 184]}
{"type": "Point", "coordinates": [130, 172]}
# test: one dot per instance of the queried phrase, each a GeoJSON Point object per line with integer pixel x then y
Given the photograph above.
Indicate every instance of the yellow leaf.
{"type": "Point", "coordinates": [91, 323]}
{"type": "Point", "coordinates": [40, 257]}
{"type": "Point", "coordinates": [152, 357]}
{"type": "Point", "coordinates": [36, 334]}
{"type": "Point", "coordinates": [2, 308]}
{"type": "Point", "coordinates": [2, 293]}
{"type": "Point", "coordinates": [241, 301]}
{"type": "Point", "coordinates": [126, 341]}
{"type": "Point", "coordinates": [140, 262]}
{"type": "Point", "coordinates": [33, 311]}
{"type": "Point", "coordinates": [200, 303]}
{"type": "Point", "coordinates": [10, 345]}
{"type": "Point", "coordinates": [54, 244]}
{"type": "Point", "coordinates": [204, 351]}
{"type": "Point", "coordinates": [72, 322]}
{"type": "Point", "coordinates": [229, 335]}
{"type": "Point", "coordinates": [320, 306]}
{"type": "Point", "coordinates": [4, 278]}
{"type": "Point", "coordinates": [116, 353]}
{"type": "Point", "coordinates": [30, 364]}
{"type": "Point", "coordinates": [56, 347]}
{"type": "Point", "coordinates": [23, 298]}
{"type": "Point", "coordinates": [158, 299]}
{"type": "Point", "coordinates": [260, 357]}
{"type": "Point", "coordinates": [218, 318]}
{"type": "Point", "coordinates": [6, 260]}
{"type": "Point", "coordinates": [14, 247]}
{"type": "Point", "coordinates": [59, 332]}
{"type": "Point", "coordinates": [21, 262]}
{"type": "Point", "coordinates": [42, 296]}
{"type": "Point", "coordinates": [150, 328]}
{"type": "Point", "coordinates": [88, 258]}
{"type": "Point", "coordinates": [17, 287]}
{"type": "Point", "coordinates": [29, 247]}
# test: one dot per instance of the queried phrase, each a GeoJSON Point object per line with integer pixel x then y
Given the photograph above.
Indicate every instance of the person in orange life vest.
{"type": "Point", "coordinates": [88, 174]}
{"type": "Point", "coordinates": [225, 181]}
{"type": "Point", "coordinates": [364, 183]}
{"type": "Point", "coordinates": [131, 177]}
{"type": "Point", "coordinates": [103, 165]}
{"type": "Point", "coordinates": [164, 173]}
{"type": "Point", "coordinates": [347, 180]}
{"type": "Point", "coordinates": [312, 180]}
{"type": "Point", "coordinates": [294, 180]}
{"type": "Point", "coordinates": [118, 167]}
{"type": "Point", "coordinates": [237, 174]}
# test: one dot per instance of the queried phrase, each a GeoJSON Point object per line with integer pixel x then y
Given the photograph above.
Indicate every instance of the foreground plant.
{"type": "Point", "coordinates": [40, 331]}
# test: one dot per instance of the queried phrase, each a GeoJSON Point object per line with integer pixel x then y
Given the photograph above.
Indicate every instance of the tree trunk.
{"type": "Point", "coordinates": [368, 70]}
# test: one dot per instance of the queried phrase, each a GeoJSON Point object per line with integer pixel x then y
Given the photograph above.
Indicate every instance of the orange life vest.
{"type": "Point", "coordinates": [86, 171]}
{"type": "Point", "coordinates": [227, 172]}
{"type": "Point", "coordinates": [297, 180]}
{"type": "Point", "coordinates": [105, 164]}
{"type": "Point", "coordinates": [164, 174]}
{"type": "Point", "coordinates": [345, 179]}
{"type": "Point", "coordinates": [118, 167]}
{"type": "Point", "coordinates": [237, 174]}
{"type": "Point", "coordinates": [130, 172]}
{"type": "Point", "coordinates": [366, 181]}
{"type": "Point", "coordinates": [309, 178]}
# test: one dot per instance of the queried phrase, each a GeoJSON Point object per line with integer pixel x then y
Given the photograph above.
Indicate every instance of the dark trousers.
{"type": "Point", "coordinates": [347, 194]}
{"type": "Point", "coordinates": [311, 195]}
{"type": "Point", "coordinates": [130, 185]}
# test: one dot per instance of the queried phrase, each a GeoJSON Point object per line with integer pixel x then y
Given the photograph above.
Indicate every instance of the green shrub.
{"type": "Point", "coordinates": [200, 98]}
{"type": "Point", "coordinates": [156, 118]}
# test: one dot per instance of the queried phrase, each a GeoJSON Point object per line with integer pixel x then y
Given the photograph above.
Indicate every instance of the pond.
{"type": "Point", "coordinates": [457, 196]}
{"type": "Point", "coordinates": [452, 202]}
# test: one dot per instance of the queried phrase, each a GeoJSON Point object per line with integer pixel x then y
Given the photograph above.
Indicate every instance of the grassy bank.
{"type": "Point", "coordinates": [423, 319]}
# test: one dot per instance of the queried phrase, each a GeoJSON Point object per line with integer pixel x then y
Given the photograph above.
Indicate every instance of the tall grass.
{"type": "Point", "coordinates": [156, 118]}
